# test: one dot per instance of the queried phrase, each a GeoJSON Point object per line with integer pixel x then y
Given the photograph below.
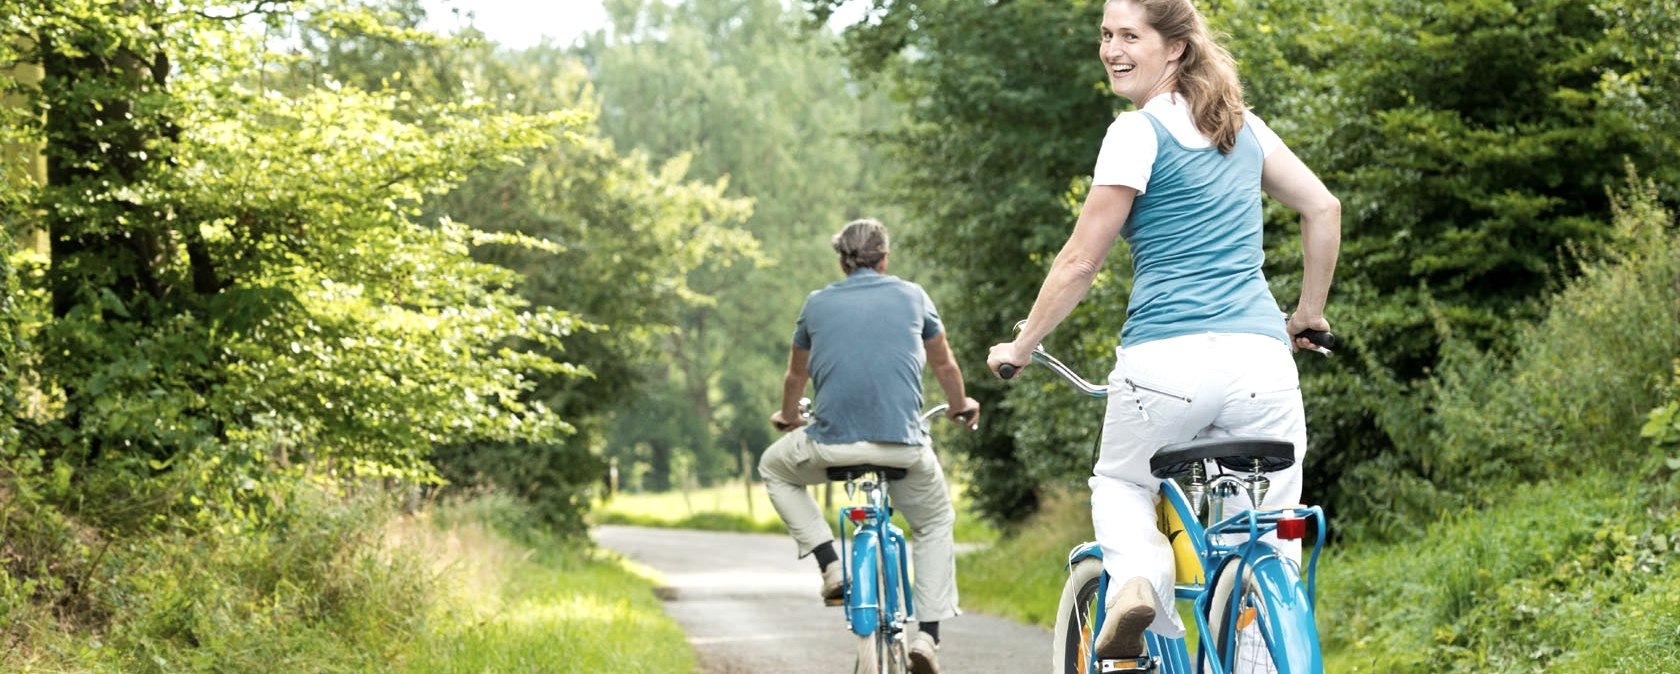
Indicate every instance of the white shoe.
{"type": "Point", "coordinates": [834, 583]}
{"type": "Point", "coordinates": [924, 654]}
{"type": "Point", "coordinates": [1128, 617]}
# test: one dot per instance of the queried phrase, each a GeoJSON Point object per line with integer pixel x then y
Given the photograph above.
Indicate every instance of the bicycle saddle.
{"type": "Point", "coordinates": [1232, 453]}
{"type": "Point", "coordinates": [849, 473]}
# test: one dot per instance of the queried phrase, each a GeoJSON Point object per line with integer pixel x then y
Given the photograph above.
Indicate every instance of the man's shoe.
{"type": "Point", "coordinates": [1128, 617]}
{"type": "Point", "coordinates": [924, 654]}
{"type": "Point", "coordinates": [834, 584]}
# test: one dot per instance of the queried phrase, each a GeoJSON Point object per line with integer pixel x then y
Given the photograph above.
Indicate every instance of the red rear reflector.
{"type": "Point", "coordinates": [857, 514]}
{"type": "Point", "coordinates": [1292, 530]}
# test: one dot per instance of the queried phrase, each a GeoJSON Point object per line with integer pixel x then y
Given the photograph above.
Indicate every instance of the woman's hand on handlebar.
{"type": "Point", "coordinates": [1310, 332]}
{"type": "Point", "coordinates": [965, 412]}
{"type": "Point", "coordinates": [1007, 359]}
{"type": "Point", "coordinates": [782, 424]}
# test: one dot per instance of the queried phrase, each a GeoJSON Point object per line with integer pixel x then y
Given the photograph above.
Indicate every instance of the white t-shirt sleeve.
{"type": "Point", "coordinates": [1128, 153]}
{"type": "Point", "coordinates": [1269, 140]}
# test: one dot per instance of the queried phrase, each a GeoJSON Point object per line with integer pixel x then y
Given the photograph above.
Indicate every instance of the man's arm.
{"type": "Point", "coordinates": [949, 375]}
{"type": "Point", "coordinates": [793, 388]}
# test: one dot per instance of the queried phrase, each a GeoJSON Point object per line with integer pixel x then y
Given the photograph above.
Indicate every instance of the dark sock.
{"type": "Point", "coordinates": [825, 555]}
{"type": "Point", "coordinates": [931, 629]}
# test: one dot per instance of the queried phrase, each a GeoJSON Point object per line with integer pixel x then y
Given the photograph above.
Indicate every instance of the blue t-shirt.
{"type": "Point", "coordinates": [1197, 246]}
{"type": "Point", "coordinates": [865, 336]}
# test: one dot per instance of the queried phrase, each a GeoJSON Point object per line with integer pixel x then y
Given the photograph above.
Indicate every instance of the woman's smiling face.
{"type": "Point", "coordinates": [1139, 61]}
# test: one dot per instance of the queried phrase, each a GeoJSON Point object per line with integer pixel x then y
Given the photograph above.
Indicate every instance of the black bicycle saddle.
{"type": "Point", "coordinates": [849, 473]}
{"type": "Point", "coordinates": [1232, 453]}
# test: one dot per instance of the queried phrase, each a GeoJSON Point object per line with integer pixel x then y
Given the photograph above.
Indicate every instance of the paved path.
{"type": "Point", "coordinates": [750, 607]}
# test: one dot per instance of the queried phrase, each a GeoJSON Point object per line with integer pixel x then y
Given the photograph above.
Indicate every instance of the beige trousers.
{"type": "Point", "coordinates": [795, 461]}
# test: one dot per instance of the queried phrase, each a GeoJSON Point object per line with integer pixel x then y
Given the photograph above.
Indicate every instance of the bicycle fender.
{"type": "Point", "coordinates": [1086, 550]}
{"type": "Point", "coordinates": [862, 609]}
{"type": "Point", "coordinates": [1290, 621]}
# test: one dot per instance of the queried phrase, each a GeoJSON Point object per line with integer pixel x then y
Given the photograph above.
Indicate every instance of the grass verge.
{"type": "Point", "coordinates": [537, 607]}
{"type": "Point", "coordinates": [331, 585]}
{"type": "Point", "coordinates": [734, 508]}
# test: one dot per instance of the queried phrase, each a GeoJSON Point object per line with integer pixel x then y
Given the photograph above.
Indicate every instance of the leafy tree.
{"type": "Point", "coordinates": [738, 88]}
{"type": "Point", "coordinates": [1004, 114]}
{"type": "Point", "coordinates": [241, 284]}
{"type": "Point", "coordinates": [626, 234]}
{"type": "Point", "coordinates": [1471, 144]}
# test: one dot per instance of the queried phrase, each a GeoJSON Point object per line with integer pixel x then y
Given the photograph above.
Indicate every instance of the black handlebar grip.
{"type": "Point", "coordinates": [1319, 337]}
{"type": "Point", "coordinates": [1007, 371]}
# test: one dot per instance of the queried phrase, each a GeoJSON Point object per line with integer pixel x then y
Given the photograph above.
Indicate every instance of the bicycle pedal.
{"type": "Point", "coordinates": [1126, 665]}
{"type": "Point", "coordinates": [837, 601]}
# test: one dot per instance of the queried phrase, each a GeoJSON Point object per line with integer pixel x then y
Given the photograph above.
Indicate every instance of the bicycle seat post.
{"type": "Point", "coordinates": [1198, 488]}
{"type": "Point", "coordinates": [1257, 483]}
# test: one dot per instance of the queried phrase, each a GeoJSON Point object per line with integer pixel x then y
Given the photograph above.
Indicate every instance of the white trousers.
{"type": "Point", "coordinates": [1174, 390]}
{"type": "Point", "coordinates": [795, 461]}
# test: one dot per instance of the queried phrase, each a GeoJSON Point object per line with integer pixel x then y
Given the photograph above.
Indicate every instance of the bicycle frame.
{"type": "Point", "coordinates": [1261, 563]}
{"type": "Point", "coordinates": [874, 539]}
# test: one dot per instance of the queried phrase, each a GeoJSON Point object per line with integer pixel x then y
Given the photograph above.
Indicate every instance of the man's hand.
{"type": "Point", "coordinates": [782, 424]}
{"type": "Point", "coordinates": [965, 412]}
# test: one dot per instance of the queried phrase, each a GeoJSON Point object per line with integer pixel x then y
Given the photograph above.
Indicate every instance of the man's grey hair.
{"type": "Point", "coordinates": [861, 243]}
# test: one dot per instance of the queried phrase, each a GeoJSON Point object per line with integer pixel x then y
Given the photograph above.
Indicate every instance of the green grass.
{"type": "Point", "coordinates": [542, 608]}
{"type": "Point", "coordinates": [339, 586]}
{"type": "Point", "coordinates": [728, 508]}
{"type": "Point", "coordinates": [1571, 574]}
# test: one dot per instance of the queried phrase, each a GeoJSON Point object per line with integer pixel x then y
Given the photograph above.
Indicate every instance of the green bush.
{"type": "Point", "coordinates": [1572, 393]}
{"type": "Point", "coordinates": [1530, 528]}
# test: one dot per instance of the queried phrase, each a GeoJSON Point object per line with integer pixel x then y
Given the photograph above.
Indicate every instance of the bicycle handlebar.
{"type": "Point", "coordinates": [967, 418]}
{"type": "Point", "coordinates": [1324, 340]}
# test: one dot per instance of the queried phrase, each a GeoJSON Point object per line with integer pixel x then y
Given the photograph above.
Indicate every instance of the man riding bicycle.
{"type": "Point", "coordinates": [863, 343]}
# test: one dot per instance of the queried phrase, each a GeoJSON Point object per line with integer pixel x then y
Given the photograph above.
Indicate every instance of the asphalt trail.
{"type": "Point", "coordinates": [750, 607]}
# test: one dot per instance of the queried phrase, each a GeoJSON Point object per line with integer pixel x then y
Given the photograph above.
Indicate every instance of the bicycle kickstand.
{"type": "Point", "coordinates": [1143, 665]}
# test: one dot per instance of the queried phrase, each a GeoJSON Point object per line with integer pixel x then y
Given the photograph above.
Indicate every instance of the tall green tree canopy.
{"type": "Point", "coordinates": [261, 265]}
{"type": "Point", "coordinates": [747, 96]}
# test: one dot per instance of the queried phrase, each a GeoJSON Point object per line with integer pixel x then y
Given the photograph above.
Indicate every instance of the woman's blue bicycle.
{"type": "Point", "coordinates": [1256, 615]}
{"type": "Point", "coordinates": [878, 601]}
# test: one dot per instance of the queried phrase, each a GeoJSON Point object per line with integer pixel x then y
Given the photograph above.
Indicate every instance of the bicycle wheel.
{"type": "Point", "coordinates": [882, 652]}
{"type": "Point", "coordinates": [1071, 650]}
{"type": "Point", "coordinates": [1268, 601]}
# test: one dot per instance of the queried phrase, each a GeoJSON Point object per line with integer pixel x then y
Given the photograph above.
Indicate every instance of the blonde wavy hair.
{"type": "Point", "coordinates": [1207, 74]}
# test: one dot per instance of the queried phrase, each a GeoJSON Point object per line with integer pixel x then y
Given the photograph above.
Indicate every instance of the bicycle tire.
{"type": "Point", "coordinates": [1070, 653]}
{"type": "Point", "coordinates": [1270, 602]}
{"type": "Point", "coordinates": [882, 652]}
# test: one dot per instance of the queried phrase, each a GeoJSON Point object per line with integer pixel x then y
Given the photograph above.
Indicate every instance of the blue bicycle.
{"type": "Point", "coordinates": [1256, 614]}
{"type": "Point", "coordinates": [878, 601]}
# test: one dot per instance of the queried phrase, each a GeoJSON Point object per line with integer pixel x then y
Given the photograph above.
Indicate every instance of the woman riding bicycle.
{"type": "Point", "coordinates": [1205, 350]}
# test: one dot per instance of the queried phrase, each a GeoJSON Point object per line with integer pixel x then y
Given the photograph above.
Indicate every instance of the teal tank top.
{"type": "Point", "coordinates": [1197, 246]}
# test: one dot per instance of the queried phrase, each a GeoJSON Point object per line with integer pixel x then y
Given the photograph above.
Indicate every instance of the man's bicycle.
{"type": "Point", "coordinates": [878, 600]}
{"type": "Point", "coordinates": [1256, 614]}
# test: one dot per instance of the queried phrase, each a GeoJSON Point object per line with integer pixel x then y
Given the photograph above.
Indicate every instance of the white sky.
{"type": "Point", "coordinates": [523, 23]}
